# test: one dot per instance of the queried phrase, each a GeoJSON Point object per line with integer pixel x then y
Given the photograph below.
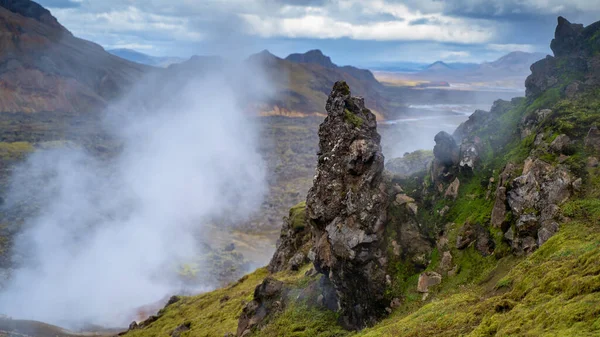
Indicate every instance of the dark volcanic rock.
{"type": "Point", "coordinates": [347, 206]}
{"type": "Point", "coordinates": [446, 156]}
{"type": "Point", "coordinates": [268, 299]}
{"type": "Point", "coordinates": [445, 150]}
{"type": "Point", "coordinates": [294, 237]}
{"type": "Point", "coordinates": [567, 38]}
{"type": "Point", "coordinates": [575, 64]}
{"type": "Point", "coordinates": [181, 329]}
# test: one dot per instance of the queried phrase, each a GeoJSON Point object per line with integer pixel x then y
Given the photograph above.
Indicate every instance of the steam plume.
{"type": "Point", "coordinates": [107, 234]}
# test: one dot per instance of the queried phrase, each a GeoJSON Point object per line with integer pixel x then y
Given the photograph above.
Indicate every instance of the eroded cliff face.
{"type": "Point", "coordinates": [575, 59]}
{"type": "Point", "coordinates": [346, 208]}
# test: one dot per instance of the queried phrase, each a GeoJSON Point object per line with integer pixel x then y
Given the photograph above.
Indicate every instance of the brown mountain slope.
{"type": "Point", "coordinates": [43, 67]}
{"type": "Point", "coordinates": [302, 83]}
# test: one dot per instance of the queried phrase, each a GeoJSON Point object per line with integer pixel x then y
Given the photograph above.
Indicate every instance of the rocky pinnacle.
{"type": "Point", "coordinates": [346, 208]}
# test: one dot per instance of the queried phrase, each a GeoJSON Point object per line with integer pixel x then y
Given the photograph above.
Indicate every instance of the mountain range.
{"type": "Point", "coordinates": [138, 57]}
{"type": "Point", "coordinates": [43, 67]}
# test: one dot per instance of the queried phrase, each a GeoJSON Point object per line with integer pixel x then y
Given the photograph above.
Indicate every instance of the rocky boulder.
{"type": "Point", "coordinates": [410, 163]}
{"type": "Point", "coordinates": [533, 199]}
{"type": "Point", "coordinates": [293, 242]}
{"type": "Point", "coordinates": [446, 156]}
{"type": "Point", "coordinates": [477, 235]}
{"type": "Point", "coordinates": [428, 279]}
{"type": "Point", "coordinates": [469, 155]}
{"type": "Point", "coordinates": [500, 204]}
{"type": "Point", "coordinates": [346, 208]}
{"type": "Point", "coordinates": [268, 299]}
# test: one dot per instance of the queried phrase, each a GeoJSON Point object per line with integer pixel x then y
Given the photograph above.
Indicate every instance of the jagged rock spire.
{"type": "Point", "coordinates": [346, 208]}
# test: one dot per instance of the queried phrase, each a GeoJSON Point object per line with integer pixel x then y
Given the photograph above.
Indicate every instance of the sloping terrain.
{"type": "Point", "coordinates": [137, 57]}
{"type": "Point", "coordinates": [44, 68]}
{"type": "Point", "coordinates": [500, 236]}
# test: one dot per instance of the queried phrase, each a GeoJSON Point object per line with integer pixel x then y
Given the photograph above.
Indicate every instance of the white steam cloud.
{"type": "Point", "coordinates": [108, 234]}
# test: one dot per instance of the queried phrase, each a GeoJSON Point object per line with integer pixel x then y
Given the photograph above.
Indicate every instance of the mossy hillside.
{"type": "Point", "coordinates": [554, 292]}
{"type": "Point", "coordinates": [216, 313]}
{"type": "Point", "coordinates": [561, 278]}
{"type": "Point", "coordinates": [211, 314]}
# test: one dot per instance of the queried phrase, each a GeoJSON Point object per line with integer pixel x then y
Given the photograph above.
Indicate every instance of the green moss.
{"type": "Point", "coordinates": [300, 320]}
{"type": "Point", "coordinates": [471, 204]}
{"type": "Point", "coordinates": [588, 209]}
{"type": "Point", "coordinates": [353, 118]}
{"type": "Point", "coordinates": [342, 87]}
{"type": "Point", "coordinates": [298, 216]}
{"type": "Point", "coordinates": [211, 314]}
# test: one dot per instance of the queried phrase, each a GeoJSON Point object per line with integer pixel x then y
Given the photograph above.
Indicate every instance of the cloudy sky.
{"type": "Point", "coordinates": [358, 32]}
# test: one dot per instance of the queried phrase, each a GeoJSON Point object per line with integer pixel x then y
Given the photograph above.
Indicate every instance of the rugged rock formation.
{"type": "Point", "coordinates": [534, 198]}
{"type": "Point", "coordinates": [575, 57]}
{"type": "Point", "coordinates": [347, 207]}
{"type": "Point", "coordinates": [268, 299]}
{"type": "Point", "coordinates": [292, 246]}
{"type": "Point", "coordinates": [410, 163]}
{"type": "Point", "coordinates": [477, 235]}
{"type": "Point", "coordinates": [446, 156]}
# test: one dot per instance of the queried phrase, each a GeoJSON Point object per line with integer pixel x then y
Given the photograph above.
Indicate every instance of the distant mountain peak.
{"type": "Point", "coordinates": [314, 56]}
{"type": "Point", "coordinates": [438, 65]}
{"type": "Point", "coordinates": [517, 58]}
{"type": "Point", "coordinates": [33, 10]}
{"type": "Point", "coordinates": [263, 56]}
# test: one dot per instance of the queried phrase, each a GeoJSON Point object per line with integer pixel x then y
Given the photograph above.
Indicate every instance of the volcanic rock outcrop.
{"type": "Point", "coordinates": [293, 242]}
{"type": "Point", "coordinates": [575, 58]}
{"type": "Point", "coordinates": [346, 208]}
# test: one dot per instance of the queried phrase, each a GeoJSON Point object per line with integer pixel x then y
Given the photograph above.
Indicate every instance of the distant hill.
{"type": "Point", "coordinates": [136, 56]}
{"type": "Point", "coordinates": [313, 57]}
{"type": "Point", "coordinates": [437, 66]}
{"type": "Point", "coordinates": [507, 72]}
{"type": "Point", "coordinates": [301, 82]}
{"type": "Point", "coordinates": [511, 64]}
{"type": "Point", "coordinates": [515, 62]}
{"type": "Point", "coordinates": [309, 77]}
{"type": "Point", "coordinates": [43, 67]}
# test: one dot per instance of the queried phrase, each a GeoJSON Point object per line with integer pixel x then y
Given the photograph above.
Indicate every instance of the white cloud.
{"type": "Point", "coordinates": [509, 47]}
{"type": "Point", "coordinates": [324, 27]}
{"type": "Point", "coordinates": [171, 26]}
{"type": "Point", "coordinates": [454, 55]}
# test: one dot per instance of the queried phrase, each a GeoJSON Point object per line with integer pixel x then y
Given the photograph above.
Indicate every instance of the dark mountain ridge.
{"type": "Point", "coordinates": [43, 67]}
